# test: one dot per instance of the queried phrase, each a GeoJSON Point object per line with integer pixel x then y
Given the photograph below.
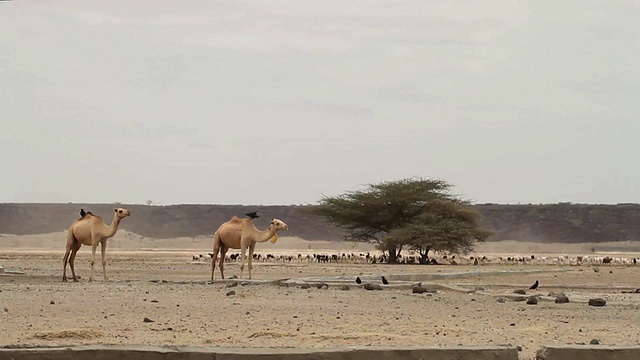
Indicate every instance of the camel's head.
{"type": "Point", "coordinates": [122, 213]}
{"type": "Point", "coordinates": [278, 225]}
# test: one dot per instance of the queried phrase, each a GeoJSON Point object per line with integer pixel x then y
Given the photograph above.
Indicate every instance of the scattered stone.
{"type": "Point", "coordinates": [154, 301]}
{"type": "Point", "coordinates": [305, 286]}
{"type": "Point", "coordinates": [6, 310]}
{"type": "Point", "coordinates": [596, 269]}
{"type": "Point", "coordinates": [519, 348]}
{"type": "Point", "coordinates": [233, 284]}
{"type": "Point", "coordinates": [594, 342]}
{"type": "Point", "coordinates": [520, 291]}
{"type": "Point", "coordinates": [369, 286]}
{"type": "Point", "coordinates": [52, 302]}
{"type": "Point", "coordinates": [345, 287]}
{"type": "Point", "coordinates": [610, 271]}
{"type": "Point", "coordinates": [233, 277]}
{"type": "Point", "coordinates": [562, 299]}
{"type": "Point", "coordinates": [520, 298]}
{"type": "Point", "coordinates": [555, 294]}
{"type": "Point", "coordinates": [532, 300]}
{"type": "Point", "coordinates": [418, 290]}
{"type": "Point", "coordinates": [322, 285]}
{"type": "Point", "coordinates": [501, 300]}
{"type": "Point", "coordinates": [473, 299]}
{"type": "Point", "coordinates": [597, 302]}
{"type": "Point", "coordinates": [147, 320]}
{"type": "Point", "coordinates": [231, 293]}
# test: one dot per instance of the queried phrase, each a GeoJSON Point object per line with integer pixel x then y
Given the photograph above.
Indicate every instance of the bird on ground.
{"type": "Point", "coordinates": [358, 280]}
{"type": "Point", "coordinates": [534, 286]}
{"type": "Point", "coordinates": [253, 215]}
{"type": "Point", "coordinates": [384, 281]}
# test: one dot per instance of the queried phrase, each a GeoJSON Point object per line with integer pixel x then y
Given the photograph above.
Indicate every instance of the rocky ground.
{"type": "Point", "coordinates": [38, 309]}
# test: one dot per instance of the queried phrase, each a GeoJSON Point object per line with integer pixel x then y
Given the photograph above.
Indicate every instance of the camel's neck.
{"type": "Point", "coordinates": [113, 228]}
{"type": "Point", "coordinates": [266, 234]}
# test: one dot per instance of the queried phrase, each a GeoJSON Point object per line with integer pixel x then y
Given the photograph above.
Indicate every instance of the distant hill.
{"type": "Point", "coordinates": [563, 222]}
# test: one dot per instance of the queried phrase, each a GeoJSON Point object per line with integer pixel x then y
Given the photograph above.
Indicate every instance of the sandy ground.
{"type": "Point", "coordinates": [38, 309]}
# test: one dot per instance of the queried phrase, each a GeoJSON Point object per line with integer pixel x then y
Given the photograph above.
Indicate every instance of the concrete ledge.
{"type": "Point", "coordinates": [99, 352]}
{"type": "Point", "coordinates": [589, 352]}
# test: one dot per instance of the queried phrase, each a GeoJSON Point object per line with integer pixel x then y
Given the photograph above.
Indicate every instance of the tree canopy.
{"type": "Point", "coordinates": [415, 213]}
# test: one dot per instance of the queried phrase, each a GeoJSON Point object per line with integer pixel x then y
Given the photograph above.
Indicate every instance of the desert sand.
{"type": "Point", "coordinates": [38, 309]}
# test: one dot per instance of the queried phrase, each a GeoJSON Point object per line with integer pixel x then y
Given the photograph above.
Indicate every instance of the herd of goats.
{"type": "Point", "coordinates": [436, 259]}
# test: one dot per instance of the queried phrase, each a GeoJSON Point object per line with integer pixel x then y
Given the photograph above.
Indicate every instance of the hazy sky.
{"type": "Point", "coordinates": [281, 102]}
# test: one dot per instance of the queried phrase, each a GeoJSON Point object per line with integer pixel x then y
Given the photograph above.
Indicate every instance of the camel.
{"type": "Point", "coordinates": [90, 230]}
{"type": "Point", "coordinates": [241, 234]}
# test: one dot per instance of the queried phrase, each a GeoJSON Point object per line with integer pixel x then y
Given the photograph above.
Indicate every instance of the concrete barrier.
{"type": "Point", "coordinates": [589, 352]}
{"type": "Point", "coordinates": [100, 352]}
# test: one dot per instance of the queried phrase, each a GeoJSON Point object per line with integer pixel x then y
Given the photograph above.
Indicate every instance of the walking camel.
{"type": "Point", "coordinates": [90, 230]}
{"type": "Point", "coordinates": [241, 234]}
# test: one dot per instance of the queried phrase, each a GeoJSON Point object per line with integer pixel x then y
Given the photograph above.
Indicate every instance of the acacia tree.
{"type": "Point", "coordinates": [394, 214]}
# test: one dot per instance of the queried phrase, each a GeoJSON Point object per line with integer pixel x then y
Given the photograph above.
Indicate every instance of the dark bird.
{"type": "Point", "coordinates": [253, 215]}
{"type": "Point", "coordinates": [82, 213]}
{"type": "Point", "coordinates": [384, 281]}
{"type": "Point", "coordinates": [534, 286]}
{"type": "Point", "coordinates": [358, 280]}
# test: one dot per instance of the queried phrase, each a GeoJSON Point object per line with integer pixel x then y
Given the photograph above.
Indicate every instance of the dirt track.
{"type": "Point", "coordinates": [277, 316]}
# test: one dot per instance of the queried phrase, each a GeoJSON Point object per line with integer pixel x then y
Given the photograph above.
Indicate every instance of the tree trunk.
{"type": "Point", "coordinates": [424, 255]}
{"type": "Point", "coordinates": [393, 256]}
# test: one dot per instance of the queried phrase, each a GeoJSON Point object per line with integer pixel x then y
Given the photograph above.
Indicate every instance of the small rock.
{"type": "Point", "coordinates": [512, 324]}
{"type": "Point", "coordinates": [170, 329]}
{"type": "Point", "coordinates": [345, 287]}
{"type": "Point", "coordinates": [323, 285]}
{"type": "Point", "coordinates": [532, 300]}
{"type": "Point", "coordinates": [595, 269]}
{"type": "Point", "coordinates": [369, 286]}
{"type": "Point", "coordinates": [233, 277]}
{"type": "Point", "coordinates": [519, 348]}
{"type": "Point", "coordinates": [520, 291]}
{"type": "Point", "coordinates": [52, 302]}
{"type": "Point", "coordinates": [610, 271]}
{"type": "Point", "coordinates": [154, 301]}
{"type": "Point", "coordinates": [555, 294]}
{"type": "Point", "coordinates": [245, 283]}
{"type": "Point", "coordinates": [519, 298]}
{"type": "Point", "coordinates": [6, 310]}
{"type": "Point", "coordinates": [418, 289]}
{"type": "Point", "coordinates": [231, 293]}
{"type": "Point", "coordinates": [473, 299]}
{"type": "Point", "coordinates": [562, 299]}
{"type": "Point", "coordinates": [305, 286]}
{"type": "Point", "coordinates": [594, 342]}
{"type": "Point", "coordinates": [501, 300]}
{"type": "Point", "coordinates": [597, 302]}
{"type": "Point", "coordinates": [147, 320]}
{"type": "Point", "coordinates": [233, 284]}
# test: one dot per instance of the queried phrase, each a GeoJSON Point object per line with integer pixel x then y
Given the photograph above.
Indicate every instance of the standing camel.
{"type": "Point", "coordinates": [90, 230]}
{"type": "Point", "coordinates": [241, 234]}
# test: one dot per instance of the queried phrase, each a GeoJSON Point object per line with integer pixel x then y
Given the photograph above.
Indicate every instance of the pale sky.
{"type": "Point", "coordinates": [282, 102]}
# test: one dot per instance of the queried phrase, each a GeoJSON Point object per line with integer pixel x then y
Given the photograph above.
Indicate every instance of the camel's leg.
{"type": "Point", "coordinates": [94, 245]}
{"type": "Point", "coordinates": [223, 253]}
{"type": "Point", "coordinates": [72, 261]}
{"type": "Point", "coordinates": [64, 262]}
{"type": "Point", "coordinates": [252, 247]}
{"type": "Point", "coordinates": [103, 250]}
{"type": "Point", "coordinates": [243, 251]}
{"type": "Point", "coordinates": [216, 250]}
